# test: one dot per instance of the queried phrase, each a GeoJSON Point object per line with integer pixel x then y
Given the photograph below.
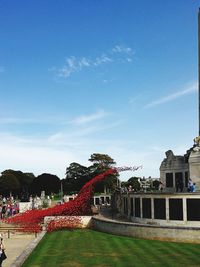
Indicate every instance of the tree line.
{"type": "Point", "coordinates": [22, 185]}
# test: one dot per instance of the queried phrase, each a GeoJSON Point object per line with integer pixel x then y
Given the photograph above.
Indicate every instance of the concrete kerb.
{"type": "Point", "coordinates": [24, 255]}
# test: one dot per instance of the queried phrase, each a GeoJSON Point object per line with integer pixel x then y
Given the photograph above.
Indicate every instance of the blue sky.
{"type": "Point", "coordinates": [110, 76]}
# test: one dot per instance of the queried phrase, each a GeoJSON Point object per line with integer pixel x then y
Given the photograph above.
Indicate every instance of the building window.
{"type": "Point", "coordinates": [160, 208]}
{"type": "Point", "coordinates": [179, 181]}
{"type": "Point", "coordinates": [193, 211]}
{"type": "Point", "coordinates": [146, 208]}
{"type": "Point", "coordinates": [108, 200]}
{"type": "Point", "coordinates": [125, 205]}
{"type": "Point", "coordinates": [137, 207]}
{"type": "Point", "coordinates": [176, 209]}
{"type": "Point", "coordinates": [169, 179]}
{"type": "Point", "coordinates": [131, 206]}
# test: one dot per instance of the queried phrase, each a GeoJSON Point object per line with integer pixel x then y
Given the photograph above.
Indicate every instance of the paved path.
{"type": "Point", "coordinates": [15, 245]}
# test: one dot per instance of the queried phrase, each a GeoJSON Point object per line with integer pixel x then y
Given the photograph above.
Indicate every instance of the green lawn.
{"type": "Point", "coordinates": [90, 248]}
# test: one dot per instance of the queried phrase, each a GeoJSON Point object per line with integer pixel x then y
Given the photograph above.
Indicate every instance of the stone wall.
{"type": "Point", "coordinates": [175, 234]}
{"type": "Point", "coordinates": [164, 209]}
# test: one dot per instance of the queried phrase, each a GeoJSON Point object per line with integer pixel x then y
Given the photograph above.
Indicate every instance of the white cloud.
{"type": "Point", "coordinates": [55, 120]}
{"type": "Point", "coordinates": [52, 153]}
{"type": "Point", "coordinates": [107, 81]}
{"type": "Point", "coordinates": [188, 90]}
{"type": "Point", "coordinates": [36, 159]}
{"type": "Point", "coordinates": [74, 64]}
{"type": "Point", "coordinates": [122, 49]}
{"type": "Point", "coordinates": [20, 120]}
{"type": "Point", "coordinates": [71, 62]}
{"type": "Point", "coordinates": [90, 118]}
{"type": "Point", "coordinates": [39, 155]}
{"type": "Point", "coordinates": [84, 62]}
{"type": "Point", "coordinates": [102, 60]}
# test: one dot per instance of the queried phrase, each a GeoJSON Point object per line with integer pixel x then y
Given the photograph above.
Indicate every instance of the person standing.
{"type": "Point", "coordinates": [2, 251]}
{"type": "Point", "coordinates": [193, 187]}
{"type": "Point", "coordinates": [190, 185]}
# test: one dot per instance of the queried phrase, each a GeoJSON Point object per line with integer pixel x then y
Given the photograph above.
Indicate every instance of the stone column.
{"type": "Point", "coordinates": [167, 209]}
{"type": "Point", "coordinates": [152, 208]}
{"type": "Point", "coordinates": [184, 210]}
{"type": "Point", "coordinates": [141, 209]}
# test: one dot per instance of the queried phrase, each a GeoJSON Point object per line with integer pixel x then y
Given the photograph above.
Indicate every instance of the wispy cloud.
{"type": "Point", "coordinates": [89, 118]}
{"type": "Point", "coordinates": [20, 120]}
{"type": "Point", "coordinates": [54, 153]}
{"type": "Point", "coordinates": [55, 120]}
{"type": "Point", "coordinates": [107, 81]}
{"type": "Point", "coordinates": [75, 64]}
{"type": "Point", "coordinates": [123, 49]}
{"type": "Point", "coordinates": [187, 90]}
{"type": "Point", "coordinates": [102, 60]}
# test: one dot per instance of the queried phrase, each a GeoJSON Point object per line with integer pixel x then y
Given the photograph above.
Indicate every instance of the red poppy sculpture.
{"type": "Point", "coordinates": [31, 220]}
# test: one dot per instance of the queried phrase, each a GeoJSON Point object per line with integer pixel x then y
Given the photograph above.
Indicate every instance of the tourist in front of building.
{"type": "Point", "coordinates": [193, 187]}
{"type": "Point", "coordinates": [190, 185]}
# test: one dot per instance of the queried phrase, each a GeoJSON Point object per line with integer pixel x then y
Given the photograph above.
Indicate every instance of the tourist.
{"type": "Point", "coordinates": [3, 211]}
{"type": "Point", "coordinates": [130, 188]}
{"type": "Point", "coordinates": [193, 188]}
{"type": "Point", "coordinates": [8, 208]}
{"type": "Point", "coordinates": [190, 185]}
{"type": "Point", "coordinates": [2, 251]}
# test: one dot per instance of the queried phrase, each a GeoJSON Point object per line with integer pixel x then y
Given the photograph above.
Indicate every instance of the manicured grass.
{"type": "Point", "coordinates": [87, 248]}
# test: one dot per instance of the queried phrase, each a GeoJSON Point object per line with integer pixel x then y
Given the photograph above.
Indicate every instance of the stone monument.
{"type": "Point", "coordinates": [194, 158]}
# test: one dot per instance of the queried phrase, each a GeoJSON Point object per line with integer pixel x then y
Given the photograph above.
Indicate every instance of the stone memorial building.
{"type": "Point", "coordinates": [175, 171]}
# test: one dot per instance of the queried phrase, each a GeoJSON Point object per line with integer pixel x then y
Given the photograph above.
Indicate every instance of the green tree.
{"type": "Point", "coordinates": [76, 176]}
{"type": "Point", "coordinates": [24, 179]}
{"type": "Point", "coordinates": [102, 159]}
{"type": "Point", "coordinates": [134, 182]}
{"type": "Point", "coordinates": [101, 163]}
{"type": "Point", "coordinates": [9, 184]}
{"type": "Point", "coordinates": [46, 182]}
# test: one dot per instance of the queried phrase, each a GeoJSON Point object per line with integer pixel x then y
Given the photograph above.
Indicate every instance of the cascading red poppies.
{"type": "Point", "coordinates": [31, 220]}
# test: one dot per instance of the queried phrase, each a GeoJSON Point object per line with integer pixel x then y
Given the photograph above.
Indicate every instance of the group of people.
{"type": "Point", "coordinates": [191, 186]}
{"type": "Point", "coordinates": [8, 207]}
